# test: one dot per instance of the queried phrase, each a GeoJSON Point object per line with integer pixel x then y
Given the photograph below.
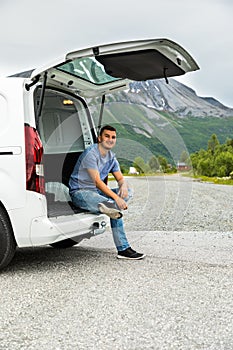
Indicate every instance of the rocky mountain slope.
{"type": "Point", "coordinates": [164, 119]}
{"type": "Point", "coordinates": [174, 98]}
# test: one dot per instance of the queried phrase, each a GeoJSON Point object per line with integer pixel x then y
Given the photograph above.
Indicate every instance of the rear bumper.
{"type": "Point", "coordinates": [78, 226]}
{"type": "Point", "coordinates": [32, 227]}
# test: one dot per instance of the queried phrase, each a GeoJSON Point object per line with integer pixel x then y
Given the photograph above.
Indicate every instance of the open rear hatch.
{"type": "Point", "coordinates": [102, 69]}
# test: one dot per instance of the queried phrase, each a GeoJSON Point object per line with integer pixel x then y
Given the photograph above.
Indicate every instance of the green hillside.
{"type": "Point", "coordinates": [143, 131]}
{"type": "Point", "coordinates": [197, 131]}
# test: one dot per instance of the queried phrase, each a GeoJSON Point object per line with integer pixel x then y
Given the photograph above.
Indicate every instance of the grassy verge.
{"type": "Point", "coordinates": [215, 180]}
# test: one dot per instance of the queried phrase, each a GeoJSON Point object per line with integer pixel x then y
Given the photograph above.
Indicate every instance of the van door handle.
{"type": "Point", "coordinates": [14, 150]}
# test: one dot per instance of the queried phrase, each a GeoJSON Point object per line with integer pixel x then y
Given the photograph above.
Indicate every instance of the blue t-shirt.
{"type": "Point", "coordinates": [92, 159]}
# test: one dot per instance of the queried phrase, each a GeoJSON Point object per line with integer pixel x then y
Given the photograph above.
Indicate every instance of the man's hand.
{"type": "Point", "coordinates": [123, 190]}
{"type": "Point", "coordinates": [122, 184]}
{"type": "Point", "coordinates": [122, 205]}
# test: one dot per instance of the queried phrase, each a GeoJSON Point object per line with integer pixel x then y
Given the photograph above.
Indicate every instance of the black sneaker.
{"type": "Point", "coordinates": [130, 254]}
{"type": "Point", "coordinates": [110, 210]}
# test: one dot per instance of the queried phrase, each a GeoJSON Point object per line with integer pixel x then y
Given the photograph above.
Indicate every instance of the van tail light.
{"type": "Point", "coordinates": [34, 156]}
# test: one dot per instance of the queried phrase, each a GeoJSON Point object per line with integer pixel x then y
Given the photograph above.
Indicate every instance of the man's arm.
{"type": "Point", "coordinates": [105, 189]}
{"type": "Point", "coordinates": [123, 187]}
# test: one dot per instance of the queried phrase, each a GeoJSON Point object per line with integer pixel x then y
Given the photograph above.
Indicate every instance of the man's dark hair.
{"type": "Point", "coordinates": [106, 127]}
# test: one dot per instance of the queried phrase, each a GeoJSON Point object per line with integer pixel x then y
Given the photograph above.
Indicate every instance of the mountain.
{"type": "Point", "coordinates": [175, 97]}
{"type": "Point", "coordinates": [157, 118]}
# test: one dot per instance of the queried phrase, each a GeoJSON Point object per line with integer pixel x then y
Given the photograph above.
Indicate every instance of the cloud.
{"type": "Point", "coordinates": [37, 32]}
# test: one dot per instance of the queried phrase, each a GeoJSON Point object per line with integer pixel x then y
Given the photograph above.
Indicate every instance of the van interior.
{"type": "Point", "coordinates": [66, 129]}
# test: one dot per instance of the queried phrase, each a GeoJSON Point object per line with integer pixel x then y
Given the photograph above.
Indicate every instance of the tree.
{"type": "Point", "coordinates": [206, 167]}
{"type": "Point", "coordinates": [229, 143]}
{"type": "Point", "coordinates": [224, 164]}
{"type": "Point", "coordinates": [154, 164]}
{"type": "Point", "coordinates": [163, 163]}
{"type": "Point", "coordinates": [194, 161]}
{"type": "Point", "coordinates": [213, 143]}
{"type": "Point", "coordinates": [217, 160]}
{"type": "Point", "coordinates": [140, 165]}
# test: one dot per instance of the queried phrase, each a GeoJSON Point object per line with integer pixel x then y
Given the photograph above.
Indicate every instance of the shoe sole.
{"type": "Point", "coordinates": [128, 258]}
{"type": "Point", "coordinates": [111, 212]}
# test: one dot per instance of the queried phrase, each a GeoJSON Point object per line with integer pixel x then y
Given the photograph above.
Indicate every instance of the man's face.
{"type": "Point", "coordinates": [107, 139]}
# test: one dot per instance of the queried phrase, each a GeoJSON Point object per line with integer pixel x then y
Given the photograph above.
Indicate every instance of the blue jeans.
{"type": "Point", "coordinates": [89, 200]}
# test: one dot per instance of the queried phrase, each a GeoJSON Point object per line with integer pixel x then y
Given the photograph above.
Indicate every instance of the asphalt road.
{"type": "Point", "coordinates": [179, 297]}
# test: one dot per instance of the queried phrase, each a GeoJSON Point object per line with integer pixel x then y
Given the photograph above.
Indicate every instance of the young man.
{"type": "Point", "coordinates": [89, 191]}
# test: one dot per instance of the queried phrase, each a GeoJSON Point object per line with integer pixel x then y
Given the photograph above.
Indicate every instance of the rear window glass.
{"type": "Point", "coordinates": [88, 68]}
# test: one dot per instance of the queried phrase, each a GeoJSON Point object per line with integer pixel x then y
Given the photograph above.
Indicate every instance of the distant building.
{"type": "Point", "coordinates": [181, 166]}
{"type": "Point", "coordinates": [133, 171]}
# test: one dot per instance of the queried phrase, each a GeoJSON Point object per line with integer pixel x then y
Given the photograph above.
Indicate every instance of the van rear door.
{"type": "Point", "coordinates": [103, 69]}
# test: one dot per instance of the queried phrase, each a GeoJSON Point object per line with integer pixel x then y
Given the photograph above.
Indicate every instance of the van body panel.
{"type": "Point", "coordinates": [12, 145]}
{"type": "Point", "coordinates": [21, 218]}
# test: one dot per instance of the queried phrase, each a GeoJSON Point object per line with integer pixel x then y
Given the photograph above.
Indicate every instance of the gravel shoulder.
{"type": "Point", "coordinates": [179, 297]}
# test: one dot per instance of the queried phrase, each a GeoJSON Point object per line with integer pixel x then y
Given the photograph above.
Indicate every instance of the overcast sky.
{"type": "Point", "coordinates": [35, 32]}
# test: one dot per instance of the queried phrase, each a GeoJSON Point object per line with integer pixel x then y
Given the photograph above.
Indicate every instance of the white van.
{"type": "Point", "coordinates": [45, 124]}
